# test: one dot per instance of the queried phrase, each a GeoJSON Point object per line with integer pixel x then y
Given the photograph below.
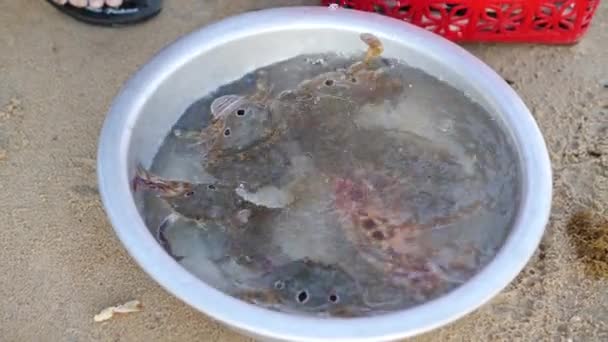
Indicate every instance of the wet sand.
{"type": "Point", "coordinates": [62, 264]}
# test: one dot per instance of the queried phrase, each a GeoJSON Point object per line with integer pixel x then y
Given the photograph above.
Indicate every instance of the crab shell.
{"type": "Point", "coordinates": [386, 236]}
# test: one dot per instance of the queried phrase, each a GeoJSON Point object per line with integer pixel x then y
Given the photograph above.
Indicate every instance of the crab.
{"type": "Point", "coordinates": [307, 285]}
{"type": "Point", "coordinates": [385, 220]}
{"type": "Point", "coordinates": [320, 111]}
{"type": "Point", "coordinates": [212, 205]}
{"type": "Point", "coordinates": [251, 137]}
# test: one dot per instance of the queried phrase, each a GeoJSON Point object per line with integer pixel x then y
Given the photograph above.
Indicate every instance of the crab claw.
{"type": "Point", "coordinates": [161, 235]}
{"type": "Point", "coordinates": [374, 45]}
{"type": "Point", "coordinates": [163, 187]}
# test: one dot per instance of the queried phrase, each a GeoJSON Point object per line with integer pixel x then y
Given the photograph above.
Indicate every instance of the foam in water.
{"type": "Point", "coordinates": [370, 206]}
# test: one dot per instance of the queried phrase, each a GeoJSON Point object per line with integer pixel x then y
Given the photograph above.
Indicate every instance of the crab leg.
{"type": "Point", "coordinates": [439, 222]}
{"type": "Point", "coordinates": [268, 297]}
{"type": "Point", "coordinates": [187, 134]}
{"type": "Point", "coordinates": [263, 89]}
{"type": "Point", "coordinates": [163, 187]}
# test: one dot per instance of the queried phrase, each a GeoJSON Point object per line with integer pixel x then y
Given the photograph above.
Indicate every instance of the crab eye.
{"type": "Point", "coordinates": [227, 132]}
{"type": "Point", "coordinates": [334, 298]}
{"type": "Point", "coordinates": [240, 112]}
{"type": "Point", "coordinates": [302, 297]}
{"type": "Point", "coordinates": [378, 235]}
{"type": "Point", "coordinates": [211, 187]}
{"type": "Point", "coordinates": [329, 83]}
{"type": "Point", "coordinates": [189, 193]}
{"type": "Point", "coordinates": [368, 224]}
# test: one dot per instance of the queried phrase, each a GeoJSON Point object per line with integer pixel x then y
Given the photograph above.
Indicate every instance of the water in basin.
{"type": "Point", "coordinates": [357, 193]}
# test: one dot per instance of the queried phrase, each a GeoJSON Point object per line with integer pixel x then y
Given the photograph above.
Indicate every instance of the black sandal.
{"type": "Point", "coordinates": [130, 12]}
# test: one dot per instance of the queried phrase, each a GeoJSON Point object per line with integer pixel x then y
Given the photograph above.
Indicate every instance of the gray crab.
{"type": "Point", "coordinates": [251, 138]}
{"type": "Point", "coordinates": [307, 286]}
{"type": "Point", "coordinates": [240, 122]}
{"type": "Point", "coordinates": [214, 205]}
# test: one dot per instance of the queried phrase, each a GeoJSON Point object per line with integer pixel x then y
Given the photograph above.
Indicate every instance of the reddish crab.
{"type": "Point", "coordinates": [373, 213]}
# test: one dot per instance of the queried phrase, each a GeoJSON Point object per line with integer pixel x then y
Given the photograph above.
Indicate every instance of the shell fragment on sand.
{"type": "Point", "coordinates": [108, 313]}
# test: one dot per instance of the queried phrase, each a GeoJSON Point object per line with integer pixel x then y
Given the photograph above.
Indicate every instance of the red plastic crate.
{"type": "Point", "coordinates": [533, 21]}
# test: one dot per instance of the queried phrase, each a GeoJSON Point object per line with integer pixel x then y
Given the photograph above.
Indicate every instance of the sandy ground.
{"type": "Point", "coordinates": [61, 262]}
